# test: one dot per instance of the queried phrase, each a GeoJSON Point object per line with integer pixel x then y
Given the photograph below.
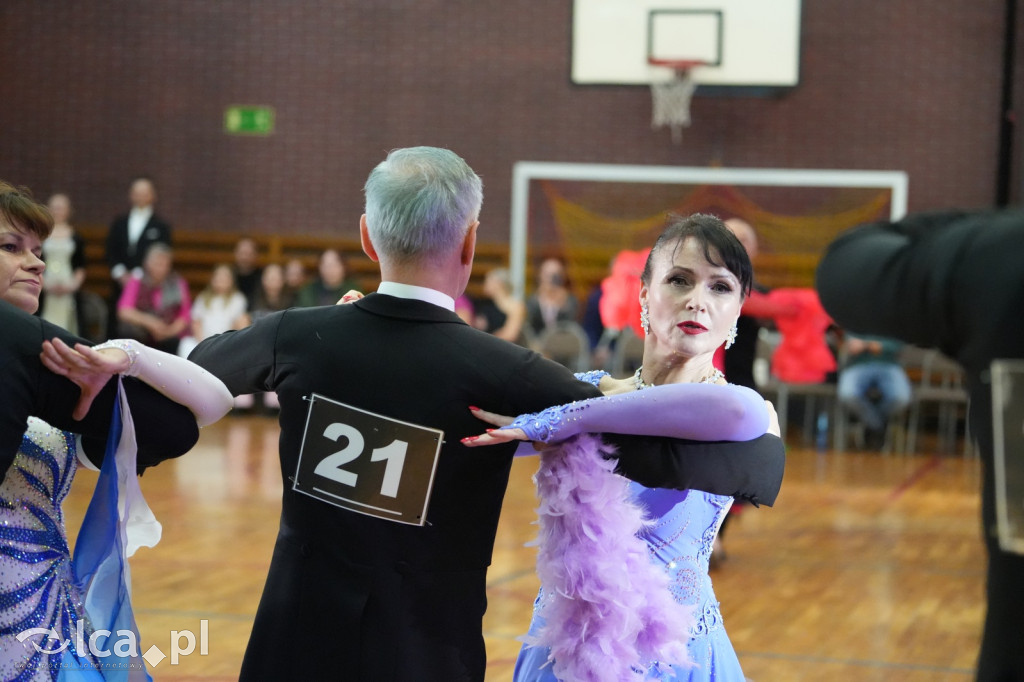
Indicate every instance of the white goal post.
{"type": "Point", "coordinates": [524, 172]}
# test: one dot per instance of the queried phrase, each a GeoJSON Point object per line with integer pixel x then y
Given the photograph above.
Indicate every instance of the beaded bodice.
{"type": "Point", "coordinates": [684, 524]}
{"type": "Point", "coordinates": [37, 589]}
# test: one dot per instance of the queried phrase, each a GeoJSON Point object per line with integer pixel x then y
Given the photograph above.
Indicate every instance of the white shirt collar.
{"type": "Point", "coordinates": [143, 214]}
{"type": "Point", "coordinates": [400, 290]}
{"type": "Point", "coordinates": [138, 218]}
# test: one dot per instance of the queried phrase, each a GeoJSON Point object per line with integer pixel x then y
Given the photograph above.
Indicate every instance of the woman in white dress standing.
{"type": "Point", "coordinates": [64, 253]}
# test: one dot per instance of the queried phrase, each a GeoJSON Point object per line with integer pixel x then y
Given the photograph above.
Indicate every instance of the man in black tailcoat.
{"type": "Point", "coordinates": [129, 237]}
{"type": "Point", "coordinates": [353, 592]}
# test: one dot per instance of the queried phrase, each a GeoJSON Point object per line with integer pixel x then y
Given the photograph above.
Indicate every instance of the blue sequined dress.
{"type": "Point", "coordinates": [37, 586]}
{"type": "Point", "coordinates": [680, 537]}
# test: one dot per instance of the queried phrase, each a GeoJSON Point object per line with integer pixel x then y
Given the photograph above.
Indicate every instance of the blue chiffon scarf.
{"type": "Point", "coordinates": [100, 565]}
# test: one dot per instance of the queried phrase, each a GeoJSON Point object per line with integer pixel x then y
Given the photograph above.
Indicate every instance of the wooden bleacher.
{"type": "Point", "coordinates": [196, 252]}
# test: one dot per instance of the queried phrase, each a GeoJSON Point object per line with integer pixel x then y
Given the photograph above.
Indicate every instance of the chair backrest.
{"type": "Point", "coordinates": [628, 353]}
{"type": "Point", "coordinates": [929, 368]}
{"type": "Point", "coordinates": [938, 380]}
{"type": "Point", "coordinates": [567, 344]}
{"type": "Point", "coordinates": [527, 338]}
{"type": "Point", "coordinates": [767, 342]}
{"type": "Point", "coordinates": [945, 372]}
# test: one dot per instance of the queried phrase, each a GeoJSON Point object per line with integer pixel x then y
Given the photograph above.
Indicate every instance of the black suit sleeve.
{"type": "Point", "coordinates": [164, 235]}
{"type": "Point", "coordinates": [750, 470]}
{"type": "Point", "coordinates": [950, 280]}
{"type": "Point", "coordinates": [114, 249]}
{"type": "Point", "coordinates": [245, 359]}
{"type": "Point", "coordinates": [167, 233]}
{"type": "Point", "coordinates": [891, 279]}
{"type": "Point", "coordinates": [78, 255]}
{"type": "Point", "coordinates": [164, 428]}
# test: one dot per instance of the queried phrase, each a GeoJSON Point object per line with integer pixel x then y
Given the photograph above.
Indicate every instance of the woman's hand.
{"type": "Point", "coordinates": [161, 331]}
{"type": "Point", "coordinates": [87, 368]}
{"type": "Point", "coordinates": [493, 436]}
{"type": "Point", "coordinates": [350, 296]}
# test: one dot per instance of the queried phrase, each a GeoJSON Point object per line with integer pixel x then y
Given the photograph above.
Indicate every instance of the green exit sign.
{"type": "Point", "coordinates": [249, 120]}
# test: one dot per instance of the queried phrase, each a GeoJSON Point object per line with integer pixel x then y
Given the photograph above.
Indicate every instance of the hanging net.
{"type": "Point", "coordinates": [671, 103]}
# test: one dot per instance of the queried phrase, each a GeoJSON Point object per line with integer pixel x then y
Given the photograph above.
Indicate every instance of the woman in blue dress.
{"type": "Point", "coordinates": [48, 615]}
{"type": "Point", "coordinates": [625, 591]}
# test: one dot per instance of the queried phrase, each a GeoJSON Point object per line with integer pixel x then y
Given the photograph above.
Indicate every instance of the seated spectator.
{"type": "Point", "coordinates": [803, 356]}
{"type": "Point", "coordinates": [64, 253]}
{"type": "Point", "coordinates": [155, 305]}
{"type": "Point", "coordinates": [602, 340]}
{"type": "Point", "coordinates": [294, 276]}
{"type": "Point", "coordinates": [330, 285]}
{"type": "Point", "coordinates": [272, 295]}
{"type": "Point", "coordinates": [620, 293]}
{"type": "Point", "coordinates": [247, 271]}
{"type": "Point", "coordinates": [220, 307]}
{"type": "Point", "coordinates": [872, 383]}
{"type": "Point", "coordinates": [553, 301]}
{"type": "Point", "coordinates": [501, 313]}
{"type": "Point", "coordinates": [129, 238]}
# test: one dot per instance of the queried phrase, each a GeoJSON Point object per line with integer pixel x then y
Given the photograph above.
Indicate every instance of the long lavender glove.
{"type": "Point", "coordinates": [693, 411]}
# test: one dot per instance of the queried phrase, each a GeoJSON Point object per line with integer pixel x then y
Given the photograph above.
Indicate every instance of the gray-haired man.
{"type": "Point", "coordinates": [368, 581]}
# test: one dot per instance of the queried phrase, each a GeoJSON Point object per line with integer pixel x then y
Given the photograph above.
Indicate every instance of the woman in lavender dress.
{"type": "Point", "coordinates": [624, 569]}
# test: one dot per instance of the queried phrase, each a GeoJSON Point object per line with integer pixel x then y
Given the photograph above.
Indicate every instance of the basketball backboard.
{"type": "Point", "coordinates": [742, 43]}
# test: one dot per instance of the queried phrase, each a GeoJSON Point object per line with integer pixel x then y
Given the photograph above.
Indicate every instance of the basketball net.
{"type": "Point", "coordinates": [671, 103]}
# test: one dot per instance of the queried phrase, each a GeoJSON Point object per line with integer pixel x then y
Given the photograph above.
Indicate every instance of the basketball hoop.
{"type": "Point", "coordinates": [671, 99]}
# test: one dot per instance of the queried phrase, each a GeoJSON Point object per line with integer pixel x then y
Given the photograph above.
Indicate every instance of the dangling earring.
{"type": "Point", "coordinates": [730, 338]}
{"type": "Point", "coordinates": [645, 321]}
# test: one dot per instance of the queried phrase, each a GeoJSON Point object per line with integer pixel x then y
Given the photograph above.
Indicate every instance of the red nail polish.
{"type": "Point", "coordinates": [469, 439]}
{"type": "Point", "coordinates": [489, 430]}
{"type": "Point", "coordinates": [474, 408]}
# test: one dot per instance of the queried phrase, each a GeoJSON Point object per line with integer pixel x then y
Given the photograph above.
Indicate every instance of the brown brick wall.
{"type": "Point", "coordinates": [95, 92]}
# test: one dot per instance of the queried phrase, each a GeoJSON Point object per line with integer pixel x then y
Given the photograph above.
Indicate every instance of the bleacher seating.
{"type": "Point", "coordinates": [196, 252]}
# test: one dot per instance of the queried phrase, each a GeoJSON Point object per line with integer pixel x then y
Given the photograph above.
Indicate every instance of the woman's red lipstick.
{"type": "Point", "coordinates": [690, 327]}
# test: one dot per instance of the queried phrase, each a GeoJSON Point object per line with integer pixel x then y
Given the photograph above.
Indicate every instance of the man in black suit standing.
{"type": "Point", "coordinates": [388, 521]}
{"type": "Point", "coordinates": [129, 237]}
{"type": "Point", "coordinates": [953, 281]}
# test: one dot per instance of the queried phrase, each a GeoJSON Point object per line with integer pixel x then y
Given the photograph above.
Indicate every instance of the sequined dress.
{"type": "Point", "coordinates": [37, 586]}
{"type": "Point", "coordinates": [680, 537]}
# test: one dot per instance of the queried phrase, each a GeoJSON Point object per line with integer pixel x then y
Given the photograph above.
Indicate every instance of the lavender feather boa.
{"type": "Point", "coordinates": [608, 613]}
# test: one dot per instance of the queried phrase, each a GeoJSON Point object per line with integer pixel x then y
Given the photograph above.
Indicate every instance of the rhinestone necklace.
{"type": "Point", "coordinates": [713, 378]}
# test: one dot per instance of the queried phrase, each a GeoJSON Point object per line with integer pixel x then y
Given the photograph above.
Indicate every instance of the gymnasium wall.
{"type": "Point", "coordinates": [96, 92]}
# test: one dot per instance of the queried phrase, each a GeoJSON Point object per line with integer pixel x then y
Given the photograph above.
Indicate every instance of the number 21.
{"type": "Point", "coordinates": [393, 454]}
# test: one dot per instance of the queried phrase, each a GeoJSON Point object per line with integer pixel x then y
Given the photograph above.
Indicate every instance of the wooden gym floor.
{"type": "Point", "coordinates": [869, 567]}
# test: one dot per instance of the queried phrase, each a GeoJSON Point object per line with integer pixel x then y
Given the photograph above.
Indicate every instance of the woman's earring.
{"type": "Point", "coordinates": [645, 321]}
{"type": "Point", "coordinates": [730, 338]}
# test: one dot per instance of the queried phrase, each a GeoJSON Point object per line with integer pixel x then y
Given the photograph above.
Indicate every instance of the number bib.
{"type": "Point", "coordinates": [366, 462]}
